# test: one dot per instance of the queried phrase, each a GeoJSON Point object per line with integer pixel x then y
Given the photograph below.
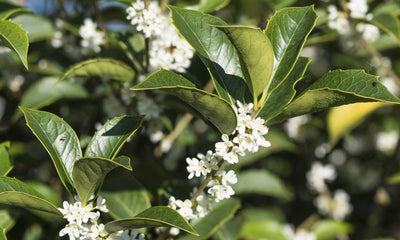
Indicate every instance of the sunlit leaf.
{"type": "Point", "coordinates": [13, 36]}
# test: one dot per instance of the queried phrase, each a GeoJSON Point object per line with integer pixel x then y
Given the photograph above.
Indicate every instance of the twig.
{"type": "Point", "coordinates": [163, 4]}
{"type": "Point", "coordinates": [147, 43]}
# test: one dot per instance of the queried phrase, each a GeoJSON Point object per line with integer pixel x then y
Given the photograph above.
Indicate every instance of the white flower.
{"type": "Point", "coordinates": [338, 21]}
{"type": "Point", "coordinates": [195, 167]}
{"type": "Point", "coordinates": [358, 8]}
{"type": "Point", "coordinates": [220, 192]}
{"type": "Point", "coordinates": [203, 205]}
{"type": "Point", "coordinates": [244, 108]}
{"type": "Point", "coordinates": [318, 174]}
{"type": "Point", "coordinates": [92, 38]}
{"type": "Point", "coordinates": [16, 83]}
{"type": "Point", "coordinates": [337, 207]}
{"type": "Point", "coordinates": [368, 32]}
{"type": "Point", "coordinates": [174, 231]}
{"type": "Point", "coordinates": [72, 230]}
{"type": "Point", "coordinates": [300, 234]}
{"type": "Point", "coordinates": [227, 178]}
{"type": "Point", "coordinates": [293, 125]}
{"type": "Point", "coordinates": [185, 209]}
{"type": "Point", "coordinates": [221, 148]}
{"type": "Point", "coordinates": [101, 204]}
{"type": "Point", "coordinates": [386, 141]}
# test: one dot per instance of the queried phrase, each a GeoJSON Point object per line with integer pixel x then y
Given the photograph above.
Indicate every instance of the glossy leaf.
{"type": "Point", "coordinates": [59, 139]}
{"type": "Point", "coordinates": [210, 106]}
{"type": "Point", "coordinates": [13, 36]}
{"type": "Point", "coordinates": [329, 229]}
{"type": "Point", "coordinates": [7, 219]}
{"type": "Point", "coordinates": [256, 56]}
{"type": "Point", "coordinates": [288, 30]}
{"type": "Point", "coordinates": [89, 173]}
{"type": "Point", "coordinates": [44, 92]}
{"type": "Point", "coordinates": [216, 218]}
{"type": "Point", "coordinates": [153, 217]}
{"type": "Point", "coordinates": [126, 203]}
{"type": "Point", "coordinates": [341, 120]}
{"type": "Point", "coordinates": [15, 193]}
{"type": "Point", "coordinates": [5, 160]}
{"type": "Point", "coordinates": [210, 5]}
{"type": "Point", "coordinates": [38, 27]}
{"type": "Point", "coordinates": [107, 142]}
{"type": "Point", "coordinates": [261, 182]}
{"type": "Point", "coordinates": [389, 23]}
{"type": "Point", "coordinates": [8, 9]}
{"type": "Point", "coordinates": [101, 67]}
{"type": "Point", "coordinates": [214, 49]}
{"type": "Point", "coordinates": [285, 92]}
{"type": "Point", "coordinates": [255, 229]}
{"type": "Point", "coordinates": [337, 88]}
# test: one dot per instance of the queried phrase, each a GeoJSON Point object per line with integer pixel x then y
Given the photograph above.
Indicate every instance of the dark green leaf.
{"type": "Point", "coordinates": [38, 27]}
{"type": "Point", "coordinates": [256, 56]}
{"type": "Point", "coordinates": [210, 106]}
{"type": "Point", "coordinates": [5, 160]}
{"type": "Point", "coordinates": [214, 49]}
{"type": "Point", "coordinates": [101, 67]}
{"type": "Point", "coordinates": [337, 88]}
{"type": "Point", "coordinates": [389, 23]}
{"type": "Point", "coordinates": [261, 182]}
{"type": "Point", "coordinates": [153, 217]}
{"type": "Point", "coordinates": [329, 229]}
{"type": "Point", "coordinates": [285, 92]}
{"type": "Point", "coordinates": [216, 218]}
{"type": "Point", "coordinates": [107, 142]}
{"type": "Point", "coordinates": [59, 139]}
{"type": "Point", "coordinates": [230, 230]}
{"type": "Point", "coordinates": [14, 37]}
{"type": "Point", "coordinates": [18, 194]}
{"type": "Point", "coordinates": [288, 30]}
{"type": "Point", "coordinates": [89, 174]}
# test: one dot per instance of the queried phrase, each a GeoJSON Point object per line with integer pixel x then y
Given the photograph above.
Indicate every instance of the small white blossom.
{"type": "Point", "coordinates": [221, 192]}
{"type": "Point", "coordinates": [195, 167]}
{"type": "Point", "coordinates": [293, 125]}
{"type": "Point", "coordinates": [101, 206]}
{"type": "Point", "coordinates": [386, 141]}
{"type": "Point", "coordinates": [227, 178]}
{"type": "Point", "coordinates": [318, 174]}
{"type": "Point", "coordinates": [337, 207]}
{"type": "Point", "coordinates": [92, 38]}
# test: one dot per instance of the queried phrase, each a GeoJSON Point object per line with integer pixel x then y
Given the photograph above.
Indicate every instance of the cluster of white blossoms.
{"type": "Point", "coordinates": [299, 234]}
{"type": "Point", "coordinates": [167, 49]}
{"type": "Point", "coordinates": [83, 222]}
{"type": "Point", "coordinates": [293, 125]}
{"type": "Point", "coordinates": [92, 38]}
{"type": "Point", "coordinates": [247, 137]}
{"type": "Point", "coordinates": [339, 21]}
{"type": "Point", "coordinates": [338, 206]}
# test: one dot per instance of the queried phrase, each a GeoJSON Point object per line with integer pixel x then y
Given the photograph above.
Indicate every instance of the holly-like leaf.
{"type": "Point", "coordinates": [288, 30]}
{"type": "Point", "coordinates": [214, 49]}
{"type": "Point", "coordinates": [107, 142]}
{"type": "Point", "coordinates": [210, 5]}
{"type": "Point", "coordinates": [216, 218]}
{"type": "Point", "coordinates": [261, 182]}
{"type": "Point", "coordinates": [5, 160]}
{"type": "Point", "coordinates": [13, 36]}
{"type": "Point", "coordinates": [89, 174]}
{"type": "Point", "coordinates": [44, 92]}
{"type": "Point", "coordinates": [256, 56]}
{"type": "Point", "coordinates": [285, 92]}
{"type": "Point", "coordinates": [343, 119]}
{"type": "Point", "coordinates": [210, 106]}
{"type": "Point", "coordinates": [38, 27]}
{"type": "Point", "coordinates": [329, 229]}
{"type": "Point", "coordinates": [159, 216]}
{"type": "Point", "coordinates": [101, 67]}
{"type": "Point", "coordinates": [59, 139]}
{"type": "Point", "coordinates": [15, 193]}
{"type": "Point", "coordinates": [337, 88]}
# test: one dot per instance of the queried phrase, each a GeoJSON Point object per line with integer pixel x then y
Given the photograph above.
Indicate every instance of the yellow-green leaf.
{"type": "Point", "coordinates": [14, 37]}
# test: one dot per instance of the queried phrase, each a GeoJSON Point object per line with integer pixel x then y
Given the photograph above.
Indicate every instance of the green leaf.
{"type": "Point", "coordinates": [210, 106]}
{"type": "Point", "coordinates": [337, 88]}
{"type": "Point", "coordinates": [288, 30]}
{"type": "Point", "coordinates": [159, 216]}
{"type": "Point", "coordinates": [5, 160]}
{"type": "Point", "coordinates": [38, 27]}
{"type": "Point", "coordinates": [210, 5]}
{"type": "Point", "coordinates": [329, 229]}
{"type": "Point", "coordinates": [341, 120]}
{"type": "Point", "coordinates": [214, 49]}
{"type": "Point", "coordinates": [216, 218]}
{"type": "Point", "coordinates": [89, 174]}
{"type": "Point", "coordinates": [230, 230]}
{"type": "Point", "coordinates": [389, 23]}
{"type": "Point", "coordinates": [256, 56]}
{"type": "Point", "coordinates": [255, 230]}
{"type": "Point", "coordinates": [279, 4]}
{"type": "Point", "coordinates": [262, 214]}
{"type": "Point", "coordinates": [8, 219]}
{"type": "Point", "coordinates": [44, 92]}
{"type": "Point", "coordinates": [59, 139]}
{"type": "Point", "coordinates": [285, 92]}
{"type": "Point", "coordinates": [2, 234]}
{"type": "Point", "coordinates": [101, 67]}
{"type": "Point", "coordinates": [394, 179]}
{"type": "Point", "coordinates": [261, 182]}
{"type": "Point", "coordinates": [15, 193]}
{"type": "Point", "coordinates": [9, 9]}
{"type": "Point", "coordinates": [14, 37]}
{"type": "Point", "coordinates": [107, 142]}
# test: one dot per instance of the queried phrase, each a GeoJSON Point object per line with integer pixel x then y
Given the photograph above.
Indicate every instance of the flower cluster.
{"type": "Point", "coordinates": [247, 137]}
{"type": "Point", "coordinates": [167, 49]}
{"type": "Point", "coordinates": [83, 222]}
{"type": "Point", "coordinates": [339, 21]}
{"type": "Point", "coordinates": [338, 206]}
{"type": "Point", "coordinates": [92, 38]}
